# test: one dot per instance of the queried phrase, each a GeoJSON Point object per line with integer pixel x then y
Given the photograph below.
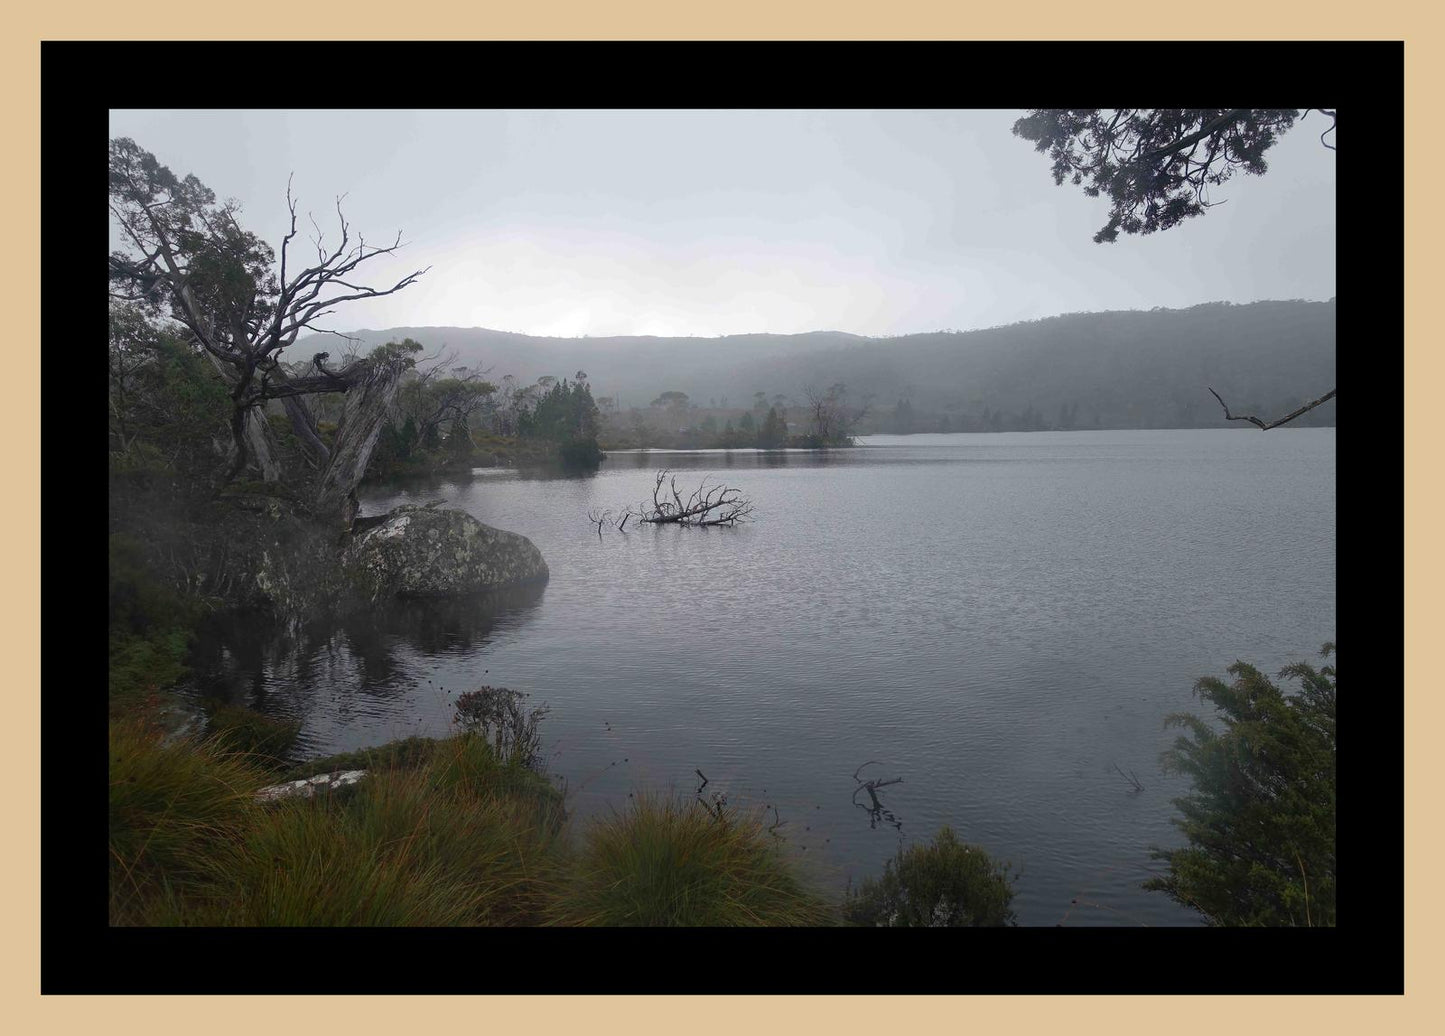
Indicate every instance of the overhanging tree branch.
{"type": "Point", "coordinates": [1266, 426]}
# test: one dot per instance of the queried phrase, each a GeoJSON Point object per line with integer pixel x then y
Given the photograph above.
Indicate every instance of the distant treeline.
{"type": "Point", "coordinates": [1128, 369]}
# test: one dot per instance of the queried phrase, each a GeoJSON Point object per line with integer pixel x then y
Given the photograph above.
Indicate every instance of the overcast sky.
{"type": "Point", "coordinates": [725, 222]}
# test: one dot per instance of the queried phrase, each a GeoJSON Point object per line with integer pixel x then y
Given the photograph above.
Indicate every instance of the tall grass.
{"type": "Point", "coordinates": [170, 809]}
{"type": "Point", "coordinates": [442, 833]}
{"type": "Point", "coordinates": [668, 863]}
{"type": "Point", "coordinates": [458, 838]}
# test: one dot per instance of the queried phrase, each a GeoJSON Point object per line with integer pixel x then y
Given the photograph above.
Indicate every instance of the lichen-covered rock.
{"type": "Point", "coordinates": [309, 787]}
{"type": "Point", "coordinates": [431, 552]}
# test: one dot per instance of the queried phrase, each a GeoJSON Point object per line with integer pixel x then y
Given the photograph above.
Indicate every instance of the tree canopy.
{"type": "Point", "coordinates": [1155, 164]}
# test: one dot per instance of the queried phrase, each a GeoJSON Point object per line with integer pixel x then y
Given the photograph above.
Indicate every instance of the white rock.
{"type": "Point", "coordinates": [308, 786]}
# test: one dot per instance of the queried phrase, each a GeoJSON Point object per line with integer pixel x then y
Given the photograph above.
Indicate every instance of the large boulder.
{"type": "Point", "coordinates": [431, 552]}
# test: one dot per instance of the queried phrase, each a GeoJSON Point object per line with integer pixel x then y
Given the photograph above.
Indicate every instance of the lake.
{"type": "Point", "coordinates": [1000, 620]}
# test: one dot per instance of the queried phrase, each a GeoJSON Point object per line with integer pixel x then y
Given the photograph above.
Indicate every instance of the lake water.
{"type": "Point", "coordinates": [999, 620]}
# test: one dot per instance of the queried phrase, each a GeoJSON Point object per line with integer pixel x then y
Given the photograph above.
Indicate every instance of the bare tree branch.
{"type": "Point", "coordinates": [706, 506]}
{"type": "Point", "coordinates": [1263, 426]}
{"type": "Point", "coordinates": [222, 284]}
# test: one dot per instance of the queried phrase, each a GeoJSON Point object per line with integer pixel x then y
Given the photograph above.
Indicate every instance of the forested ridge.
{"type": "Point", "coordinates": [1117, 369]}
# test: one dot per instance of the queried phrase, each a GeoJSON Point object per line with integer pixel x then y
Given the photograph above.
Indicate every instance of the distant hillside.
{"type": "Point", "coordinates": [1129, 369]}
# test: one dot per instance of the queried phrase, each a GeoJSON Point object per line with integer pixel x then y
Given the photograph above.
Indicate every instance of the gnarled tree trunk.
{"type": "Point", "coordinates": [303, 423]}
{"type": "Point", "coordinates": [367, 402]}
{"type": "Point", "coordinates": [258, 445]}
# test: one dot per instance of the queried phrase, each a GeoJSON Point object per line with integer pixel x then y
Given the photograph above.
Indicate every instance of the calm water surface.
{"type": "Point", "coordinates": [999, 620]}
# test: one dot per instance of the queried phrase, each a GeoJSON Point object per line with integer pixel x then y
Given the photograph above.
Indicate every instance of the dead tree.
{"type": "Point", "coordinates": [601, 518]}
{"type": "Point", "coordinates": [187, 257]}
{"type": "Point", "coordinates": [705, 506]}
{"type": "Point", "coordinates": [832, 421]}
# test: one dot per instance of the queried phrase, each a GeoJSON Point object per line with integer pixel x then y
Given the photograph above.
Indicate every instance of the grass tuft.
{"type": "Point", "coordinates": [665, 863]}
{"type": "Point", "coordinates": [171, 806]}
{"type": "Point", "coordinates": [459, 838]}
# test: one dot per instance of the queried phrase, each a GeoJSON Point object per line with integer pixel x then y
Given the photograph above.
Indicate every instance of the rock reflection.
{"type": "Point", "coordinates": [255, 662]}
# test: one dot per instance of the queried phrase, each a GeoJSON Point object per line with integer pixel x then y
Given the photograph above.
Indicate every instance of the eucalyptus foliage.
{"type": "Point", "coordinates": [1155, 164]}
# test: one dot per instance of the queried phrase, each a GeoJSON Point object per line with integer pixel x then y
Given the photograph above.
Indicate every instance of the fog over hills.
{"type": "Point", "coordinates": [1117, 369]}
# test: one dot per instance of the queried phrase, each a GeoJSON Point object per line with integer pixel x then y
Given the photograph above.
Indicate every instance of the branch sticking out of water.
{"type": "Point", "coordinates": [1131, 777]}
{"type": "Point", "coordinates": [877, 811]}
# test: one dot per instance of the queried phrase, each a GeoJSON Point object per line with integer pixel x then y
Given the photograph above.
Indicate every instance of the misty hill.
{"type": "Point", "coordinates": [1121, 369]}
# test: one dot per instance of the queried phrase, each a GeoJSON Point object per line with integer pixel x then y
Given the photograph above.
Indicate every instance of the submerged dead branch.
{"type": "Point", "coordinates": [599, 519]}
{"type": "Point", "coordinates": [877, 812]}
{"type": "Point", "coordinates": [1131, 777]}
{"type": "Point", "coordinates": [706, 505]}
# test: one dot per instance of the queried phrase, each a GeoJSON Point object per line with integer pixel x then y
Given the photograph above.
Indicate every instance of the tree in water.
{"type": "Point", "coordinates": [186, 258]}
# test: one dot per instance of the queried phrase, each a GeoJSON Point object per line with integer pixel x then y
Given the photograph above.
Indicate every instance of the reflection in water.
{"type": "Point", "coordinates": [254, 662]}
{"type": "Point", "coordinates": [701, 459]}
{"type": "Point", "coordinates": [439, 625]}
{"type": "Point", "coordinates": [1052, 606]}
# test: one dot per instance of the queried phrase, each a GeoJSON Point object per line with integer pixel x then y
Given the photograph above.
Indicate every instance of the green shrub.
{"type": "Point", "coordinates": [141, 603]}
{"type": "Point", "coordinates": [666, 863]}
{"type": "Point", "coordinates": [141, 667]}
{"type": "Point", "coordinates": [1261, 817]}
{"type": "Point", "coordinates": [945, 884]}
{"type": "Point", "coordinates": [149, 628]}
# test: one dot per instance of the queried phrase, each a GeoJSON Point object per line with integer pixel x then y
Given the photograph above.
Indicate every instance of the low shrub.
{"type": "Point", "coordinates": [142, 666]}
{"type": "Point", "coordinates": [669, 863]}
{"type": "Point", "coordinates": [945, 884]}
{"type": "Point", "coordinates": [498, 716]}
